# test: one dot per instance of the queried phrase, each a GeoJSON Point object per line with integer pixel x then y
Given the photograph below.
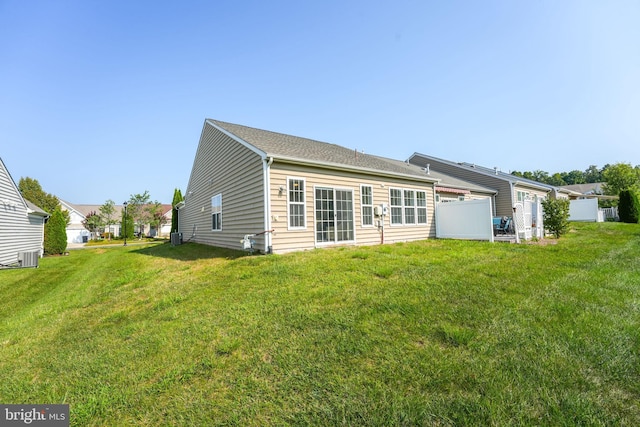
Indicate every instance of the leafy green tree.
{"type": "Point", "coordinates": [540, 176]}
{"type": "Point", "coordinates": [556, 216]}
{"type": "Point", "coordinates": [53, 230]}
{"type": "Point", "coordinates": [32, 191]}
{"type": "Point", "coordinates": [592, 174]}
{"type": "Point", "coordinates": [556, 179]}
{"type": "Point", "coordinates": [629, 207]}
{"type": "Point", "coordinates": [177, 198]}
{"type": "Point", "coordinates": [156, 215]}
{"type": "Point", "coordinates": [573, 177]}
{"type": "Point", "coordinates": [621, 176]}
{"type": "Point", "coordinates": [55, 234]}
{"type": "Point", "coordinates": [108, 213]}
{"type": "Point", "coordinates": [93, 222]}
{"type": "Point", "coordinates": [137, 210]}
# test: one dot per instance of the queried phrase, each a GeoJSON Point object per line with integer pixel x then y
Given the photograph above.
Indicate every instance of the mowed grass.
{"type": "Point", "coordinates": [435, 332]}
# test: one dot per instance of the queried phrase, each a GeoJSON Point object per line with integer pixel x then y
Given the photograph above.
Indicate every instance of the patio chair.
{"type": "Point", "coordinates": [504, 227]}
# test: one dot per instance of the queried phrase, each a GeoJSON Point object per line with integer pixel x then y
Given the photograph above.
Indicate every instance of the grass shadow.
{"type": "Point", "coordinates": [189, 252]}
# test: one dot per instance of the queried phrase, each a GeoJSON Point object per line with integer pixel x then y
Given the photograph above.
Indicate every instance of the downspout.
{"type": "Point", "coordinates": [268, 248]}
{"type": "Point", "coordinates": [435, 214]}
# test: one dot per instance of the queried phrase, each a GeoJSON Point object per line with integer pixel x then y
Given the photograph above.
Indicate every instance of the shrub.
{"type": "Point", "coordinates": [128, 230]}
{"type": "Point", "coordinates": [629, 207]}
{"type": "Point", "coordinates": [55, 234]}
{"type": "Point", "coordinates": [556, 216]}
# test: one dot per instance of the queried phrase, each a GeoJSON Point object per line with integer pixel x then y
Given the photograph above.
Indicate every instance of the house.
{"type": "Point", "coordinates": [165, 229]}
{"type": "Point", "coordinates": [290, 193]}
{"type": "Point", "coordinates": [594, 190]}
{"type": "Point", "coordinates": [21, 225]}
{"type": "Point", "coordinates": [78, 233]}
{"type": "Point", "coordinates": [510, 188]}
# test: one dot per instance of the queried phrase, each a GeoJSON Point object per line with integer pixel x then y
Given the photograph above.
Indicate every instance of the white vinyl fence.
{"type": "Point", "coordinates": [584, 210]}
{"type": "Point", "coordinates": [471, 220]}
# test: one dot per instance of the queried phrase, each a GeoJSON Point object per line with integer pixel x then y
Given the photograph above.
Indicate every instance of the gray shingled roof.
{"type": "Point", "coordinates": [445, 180]}
{"type": "Point", "coordinates": [36, 209]}
{"type": "Point", "coordinates": [288, 147]}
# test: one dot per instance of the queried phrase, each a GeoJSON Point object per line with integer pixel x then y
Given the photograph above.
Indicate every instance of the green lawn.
{"type": "Point", "coordinates": [428, 333]}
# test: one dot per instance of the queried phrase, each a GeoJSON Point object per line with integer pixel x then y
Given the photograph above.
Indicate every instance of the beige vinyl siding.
{"type": "Point", "coordinates": [19, 231]}
{"type": "Point", "coordinates": [224, 166]}
{"type": "Point", "coordinates": [532, 193]}
{"type": "Point", "coordinates": [285, 240]}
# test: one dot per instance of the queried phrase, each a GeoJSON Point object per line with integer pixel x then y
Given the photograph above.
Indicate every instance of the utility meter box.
{"type": "Point", "coordinates": [381, 210]}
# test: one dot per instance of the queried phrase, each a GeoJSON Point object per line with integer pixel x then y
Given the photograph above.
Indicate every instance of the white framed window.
{"type": "Point", "coordinates": [366, 205]}
{"type": "Point", "coordinates": [421, 203]}
{"type": "Point", "coordinates": [395, 201]}
{"type": "Point", "coordinates": [409, 207]}
{"type": "Point", "coordinates": [216, 212]}
{"type": "Point", "coordinates": [296, 203]}
{"type": "Point", "coordinates": [523, 195]}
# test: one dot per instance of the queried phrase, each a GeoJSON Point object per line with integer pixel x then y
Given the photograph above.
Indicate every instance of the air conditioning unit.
{"type": "Point", "coordinates": [28, 259]}
{"type": "Point", "coordinates": [176, 239]}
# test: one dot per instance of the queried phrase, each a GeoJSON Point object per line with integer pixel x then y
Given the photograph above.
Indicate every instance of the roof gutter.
{"type": "Point", "coordinates": [528, 184]}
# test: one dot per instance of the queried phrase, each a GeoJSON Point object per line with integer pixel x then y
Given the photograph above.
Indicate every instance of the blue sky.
{"type": "Point", "coordinates": [103, 99]}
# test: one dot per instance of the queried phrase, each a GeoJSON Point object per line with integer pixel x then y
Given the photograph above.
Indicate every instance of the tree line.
{"type": "Point", "coordinates": [616, 177]}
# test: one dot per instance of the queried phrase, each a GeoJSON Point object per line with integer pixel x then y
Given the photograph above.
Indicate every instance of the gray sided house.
{"type": "Point", "coordinates": [295, 193]}
{"type": "Point", "coordinates": [509, 189]}
{"type": "Point", "coordinates": [21, 225]}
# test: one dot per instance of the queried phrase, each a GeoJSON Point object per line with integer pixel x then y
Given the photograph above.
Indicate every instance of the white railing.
{"type": "Point", "coordinates": [610, 214]}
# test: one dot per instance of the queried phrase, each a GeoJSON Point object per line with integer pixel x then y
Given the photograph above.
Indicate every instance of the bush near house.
{"type": "Point", "coordinates": [55, 235]}
{"type": "Point", "coordinates": [556, 216]}
{"type": "Point", "coordinates": [629, 207]}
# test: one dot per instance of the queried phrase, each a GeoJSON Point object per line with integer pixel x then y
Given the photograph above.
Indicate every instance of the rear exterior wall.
{"type": "Point", "coordinates": [19, 230]}
{"type": "Point", "coordinates": [286, 239]}
{"type": "Point", "coordinates": [225, 167]}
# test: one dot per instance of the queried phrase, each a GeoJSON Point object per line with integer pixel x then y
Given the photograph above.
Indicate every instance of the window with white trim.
{"type": "Point", "coordinates": [421, 203]}
{"type": "Point", "coordinates": [409, 207]}
{"type": "Point", "coordinates": [296, 203]}
{"type": "Point", "coordinates": [523, 195]}
{"type": "Point", "coordinates": [216, 212]}
{"type": "Point", "coordinates": [395, 200]}
{"type": "Point", "coordinates": [366, 204]}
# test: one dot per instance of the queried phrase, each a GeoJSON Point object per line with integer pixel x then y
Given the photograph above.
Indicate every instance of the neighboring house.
{"type": "Point", "coordinates": [593, 190]}
{"type": "Point", "coordinates": [295, 193]}
{"type": "Point", "coordinates": [165, 229]}
{"type": "Point", "coordinates": [510, 189]}
{"type": "Point", "coordinates": [77, 233]}
{"type": "Point", "coordinates": [21, 224]}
